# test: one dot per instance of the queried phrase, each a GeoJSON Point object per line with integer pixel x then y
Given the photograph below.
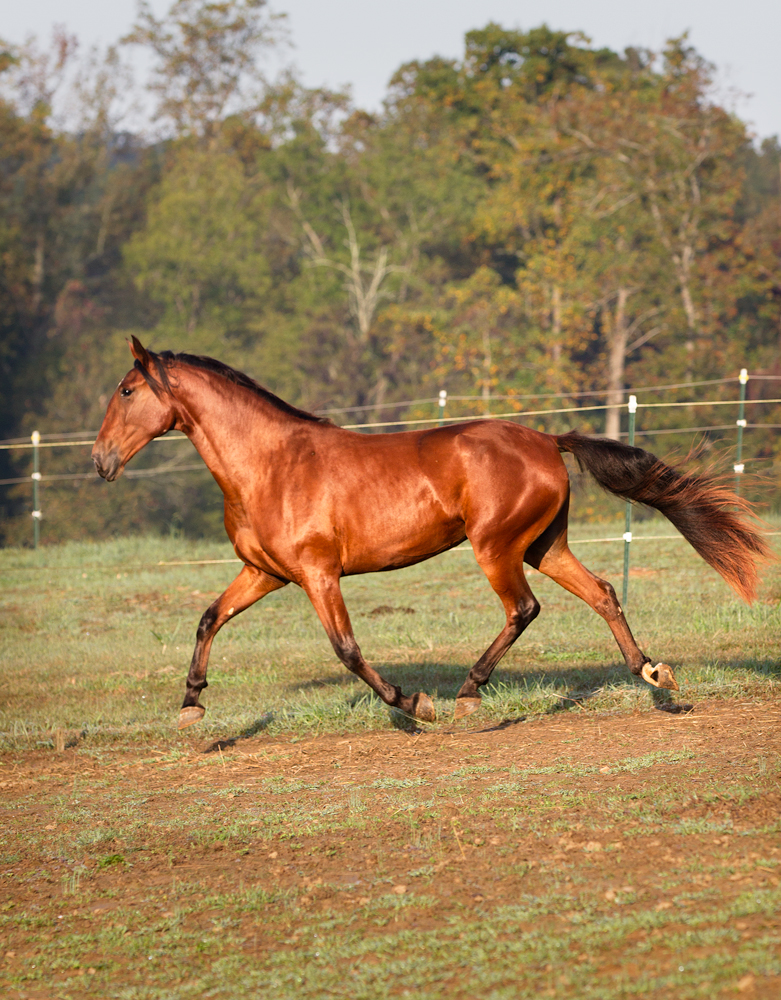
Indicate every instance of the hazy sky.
{"type": "Point", "coordinates": [362, 43]}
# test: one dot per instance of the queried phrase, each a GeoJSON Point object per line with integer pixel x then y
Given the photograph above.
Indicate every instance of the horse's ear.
{"type": "Point", "coordinates": [139, 352]}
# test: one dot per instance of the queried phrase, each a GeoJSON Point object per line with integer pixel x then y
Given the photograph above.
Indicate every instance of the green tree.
{"type": "Point", "coordinates": [67, 201]}
{"type": "Point", "coordinates": [201, 256]}
{"type": "Point", "coordinates": [207, 60]}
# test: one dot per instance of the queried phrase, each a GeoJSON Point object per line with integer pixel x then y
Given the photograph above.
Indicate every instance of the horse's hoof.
{"type": "Point", "coordinates": [423, 707]}
{"type": "Point", "coordinates": [465, 706]}
{"type": "Point", "coordinates": [660, 676]}
{"type": "Point", "coordinates": [189, 715]}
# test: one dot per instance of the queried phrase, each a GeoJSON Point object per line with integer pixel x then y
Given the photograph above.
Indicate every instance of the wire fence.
{"type": "Point", "coordinates": [443, 404]}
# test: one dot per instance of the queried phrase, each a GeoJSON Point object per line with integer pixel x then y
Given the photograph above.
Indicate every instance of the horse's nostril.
{"type": "Point", "coordinates": [106, 465]}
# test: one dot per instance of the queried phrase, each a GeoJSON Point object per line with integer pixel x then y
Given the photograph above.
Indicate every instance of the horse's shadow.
{"type": "Point", "coordinates": [253, 729]}
{"type": "Point", "coordinates": [572, 687]}
{"type": "Point", "coordinates": [445, 679]}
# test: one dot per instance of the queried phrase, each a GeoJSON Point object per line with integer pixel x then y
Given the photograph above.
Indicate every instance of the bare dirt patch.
{"type": "Point", "coordinates": [660, 814]}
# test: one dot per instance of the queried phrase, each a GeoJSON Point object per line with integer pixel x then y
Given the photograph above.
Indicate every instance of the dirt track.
{"type": "Point", "coordinates": [583, 804]}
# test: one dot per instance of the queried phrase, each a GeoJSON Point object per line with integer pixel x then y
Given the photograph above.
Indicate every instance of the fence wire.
{"type": "Point", "coordinates": [80, 439]}
{"type": "Point", "coordinates": [467, 418]}
{"type": "Point", "coordinates": [169, 468]}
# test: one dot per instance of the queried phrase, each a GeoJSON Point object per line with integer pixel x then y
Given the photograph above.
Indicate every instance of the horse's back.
{"type": "Point", "coordinates": [455, 461]}
{"type": "Point", "coordinates": [399, 498]}
{"type": "Point", "coordinates": [510, 475]}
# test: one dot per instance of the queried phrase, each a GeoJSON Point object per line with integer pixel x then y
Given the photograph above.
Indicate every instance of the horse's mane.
{"type": "Point", "coordinates": [166, 360]}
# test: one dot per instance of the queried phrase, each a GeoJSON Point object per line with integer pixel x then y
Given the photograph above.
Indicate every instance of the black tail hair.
{"type": "Point", "coordinates": [710, 516]}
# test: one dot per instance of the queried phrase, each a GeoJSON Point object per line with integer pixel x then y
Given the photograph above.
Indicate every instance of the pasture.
{"type": "Point", "coordinates": [582, 836]}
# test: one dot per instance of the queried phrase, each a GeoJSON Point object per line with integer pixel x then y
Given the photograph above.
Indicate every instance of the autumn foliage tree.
{"type": "Point", "coordinates": [539, 216]}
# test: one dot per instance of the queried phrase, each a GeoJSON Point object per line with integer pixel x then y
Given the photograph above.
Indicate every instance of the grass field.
{"type": "Point", "coordinates": [570, 840]}
{"type": "Point", "coordinates": [97, 639]}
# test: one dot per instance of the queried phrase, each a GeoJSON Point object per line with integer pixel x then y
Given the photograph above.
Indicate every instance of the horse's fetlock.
{"type": "Point", "coordinates": [195, 686]}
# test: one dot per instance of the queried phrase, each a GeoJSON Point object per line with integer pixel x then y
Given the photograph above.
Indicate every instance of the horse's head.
{"type": "Point", "coordinates": [141, 408]}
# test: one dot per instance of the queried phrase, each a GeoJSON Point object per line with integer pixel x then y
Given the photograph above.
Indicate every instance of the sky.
{"type": "Point", "coordinates": [361, 43]}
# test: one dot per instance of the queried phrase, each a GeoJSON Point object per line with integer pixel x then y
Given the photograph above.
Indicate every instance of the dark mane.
{"type": "Point", "coordinates": [166, 359]}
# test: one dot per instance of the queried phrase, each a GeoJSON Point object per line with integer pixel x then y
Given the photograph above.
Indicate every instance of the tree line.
{"type": "Point", "coordinates": [537, 216]}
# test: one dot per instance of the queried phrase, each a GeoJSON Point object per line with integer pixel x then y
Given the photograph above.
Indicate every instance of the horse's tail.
{"type": "Point", "coordinates": [707, 514]}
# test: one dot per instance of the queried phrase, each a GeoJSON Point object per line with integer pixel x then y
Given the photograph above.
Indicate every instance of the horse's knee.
{"type": "Point", "coordinates": [207, 622]}
{"type": "Point", "coordinates": [607, 605]}
{"type": "Point", "coordinates": [524, 613]}
{"type": "Point", "coordinates": [346, 648]}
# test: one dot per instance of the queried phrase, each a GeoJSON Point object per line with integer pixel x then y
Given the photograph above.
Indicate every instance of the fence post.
{"type": "Point", "coordinates": [442, 404]}
{"type": "Point", "coordinates": [632, 406]}
{"type": "Point", "coordinates": [741, 422]}
{"type": "Point", "coordinates": [35, 437]}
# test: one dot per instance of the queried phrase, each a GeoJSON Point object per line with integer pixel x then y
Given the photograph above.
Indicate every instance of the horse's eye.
{"type": "Point", "coordinates": [125, 392]}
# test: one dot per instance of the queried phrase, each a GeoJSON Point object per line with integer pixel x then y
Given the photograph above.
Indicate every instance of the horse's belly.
{"type": "Point", "coordinates": [395, 542]}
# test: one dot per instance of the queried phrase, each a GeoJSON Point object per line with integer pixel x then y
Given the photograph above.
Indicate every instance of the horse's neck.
{"type": "Point", "coordinates": [230, 426]}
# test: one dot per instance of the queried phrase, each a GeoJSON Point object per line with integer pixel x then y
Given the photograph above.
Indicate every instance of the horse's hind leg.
{"type": "Point", "coordinates": [552, 556]}
{"type": "Point", "coordinates": [326, 596]}
{"type": "Point", "coordinates": [521, 608]}
{"type": "Point", "coordinates": [249, 586]}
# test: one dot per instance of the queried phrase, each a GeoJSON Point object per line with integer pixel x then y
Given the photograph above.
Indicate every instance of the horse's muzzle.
{"type": "Point", "coordinates": [108, 465]}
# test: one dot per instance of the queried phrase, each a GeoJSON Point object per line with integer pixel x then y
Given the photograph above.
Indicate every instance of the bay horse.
{"type": "Point", "coordinates": [308, 502]}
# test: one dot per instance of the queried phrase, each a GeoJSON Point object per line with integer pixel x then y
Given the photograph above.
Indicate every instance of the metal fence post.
{"type": "Point", "coordinates": [741, 422]}
{"type": "Point", "coordinates": [442, 405]}
{"type": "Point", "coordinates": [35, 437]}
{"type": "Point", "coordinates": [632, 406]}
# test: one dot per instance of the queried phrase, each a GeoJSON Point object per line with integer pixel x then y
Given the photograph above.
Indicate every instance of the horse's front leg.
{"type": "Point", "coordinates": [249, 586]}
{"type": "Point", "coordinates": [326, 597]}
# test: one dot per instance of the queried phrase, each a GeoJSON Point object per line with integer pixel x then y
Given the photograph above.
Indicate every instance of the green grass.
{"type": "Point", "coordinates": [507, 959]}
{"type": "Point", "coordinates": [96, 640]}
